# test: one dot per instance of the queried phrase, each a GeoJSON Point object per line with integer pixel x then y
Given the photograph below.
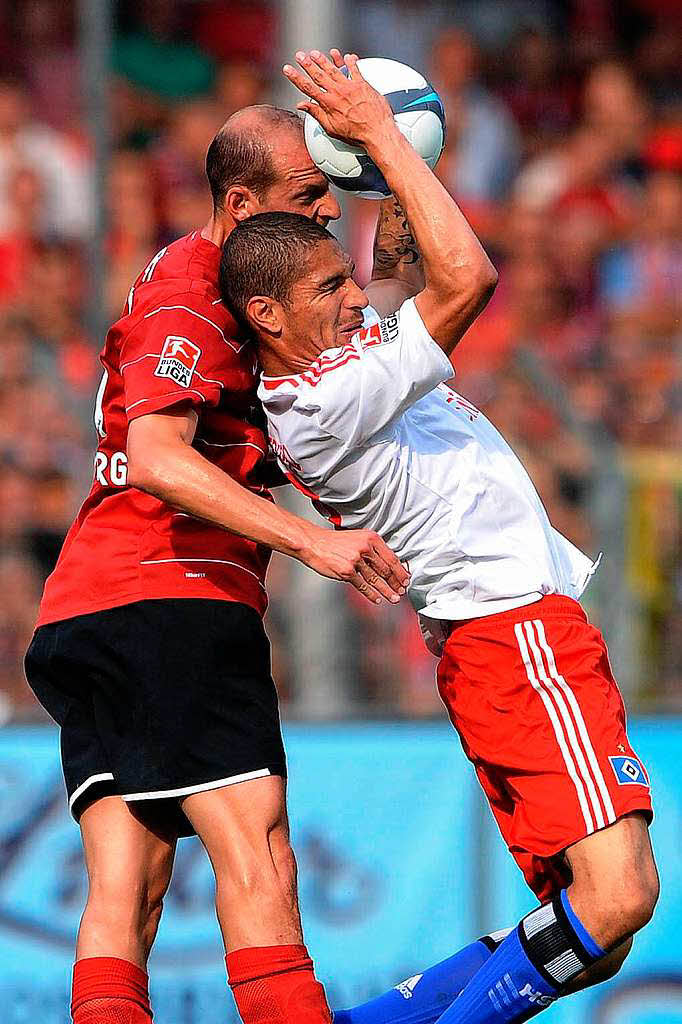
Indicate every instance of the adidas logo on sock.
{"type": "Point", "coordinates": [406, 988]}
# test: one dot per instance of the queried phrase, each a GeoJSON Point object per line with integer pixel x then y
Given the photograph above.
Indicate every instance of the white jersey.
{"type": "Point", "coordinates": [373, 433]}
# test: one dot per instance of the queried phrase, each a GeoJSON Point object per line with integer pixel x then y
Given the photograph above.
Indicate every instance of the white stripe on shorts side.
{"type": "Point", "coordinates": [202, 787]}
{"type": "Point", "coordinates": [556, 725]}
{"type": "Point", "coordinates": [102, 777]}
{"type": "Point", "coordinates": [580, 722]}
{"type": "Point", "coordinates": [572, 737]}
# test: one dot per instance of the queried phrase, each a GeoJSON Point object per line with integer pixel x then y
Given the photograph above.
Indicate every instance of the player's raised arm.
{"type": "Point", "coordinates": [459, 277]}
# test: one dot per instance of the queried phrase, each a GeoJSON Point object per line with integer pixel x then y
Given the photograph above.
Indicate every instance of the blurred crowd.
{"type": "Point", "coordinates": [564, 149]}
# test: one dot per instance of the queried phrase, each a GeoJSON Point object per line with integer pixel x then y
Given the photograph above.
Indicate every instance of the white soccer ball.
{"type": "Point", "coordinates": [418, 112]}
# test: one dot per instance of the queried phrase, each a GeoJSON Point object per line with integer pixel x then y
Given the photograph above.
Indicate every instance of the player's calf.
{"type": "Point", "coordinates": [245, 830]}
{"type": "Point", "coordinates": [129, 869]}
{"type": "Point", "coordinates": [578, 939]}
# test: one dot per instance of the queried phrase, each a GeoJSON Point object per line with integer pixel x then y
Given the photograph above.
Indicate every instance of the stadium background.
{"type": "Point", "coordinates": [565, 150]}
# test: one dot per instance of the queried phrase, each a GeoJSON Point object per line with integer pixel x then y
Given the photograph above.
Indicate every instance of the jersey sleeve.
{"type": "Point", "coordinates": [369, 384]}
{"type": "Point", "coordinates": [176, 355]}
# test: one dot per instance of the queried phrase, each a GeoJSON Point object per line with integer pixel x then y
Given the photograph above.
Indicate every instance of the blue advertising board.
{"type": "Point", "coordinates": [399, 867]}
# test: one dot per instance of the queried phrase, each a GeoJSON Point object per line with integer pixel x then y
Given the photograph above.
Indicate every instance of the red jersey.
{"type": "Point", "coordinates": [175, 343]}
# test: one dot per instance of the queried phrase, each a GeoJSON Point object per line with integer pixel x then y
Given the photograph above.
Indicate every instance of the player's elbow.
{"type": "Point", "coordinates": [469, 283]}
{"type": "Point", "coordinates": [467, 295]}
{"type": "Point", "coordinates": [139, 471]}
{"type": "Point", "coordinates": [143, 462]}
{"type": "Point", "coordinates": [481, 282]}
{"type": "Point", "coordinates": [488, 279]}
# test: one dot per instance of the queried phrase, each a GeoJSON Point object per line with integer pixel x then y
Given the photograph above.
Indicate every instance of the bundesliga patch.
{"type": "Point", "coordinates": [390, 328]}
{"type": "Point", "coordinates": [629, 771]}
{"type": "Point", "coordinates": [178, 361]}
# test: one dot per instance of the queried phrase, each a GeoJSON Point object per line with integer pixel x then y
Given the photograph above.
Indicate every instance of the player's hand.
{"type": "Point", "coordinates": [346, 106]}
{"type": "Point", "coordinates": [358, 557]}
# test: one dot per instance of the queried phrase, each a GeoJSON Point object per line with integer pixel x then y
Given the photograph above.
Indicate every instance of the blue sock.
{"type": "Point", "coordinates": [526, 973]}
{"type": "Point", "coordinates": [422, 998]}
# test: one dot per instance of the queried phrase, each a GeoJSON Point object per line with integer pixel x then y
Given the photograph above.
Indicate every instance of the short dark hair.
{"type": "Point", "coordinates": [240, 153]}
{"type": "Point", "coordinates": [266, 255]}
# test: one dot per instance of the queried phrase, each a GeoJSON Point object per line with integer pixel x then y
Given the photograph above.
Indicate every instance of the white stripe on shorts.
{"type": "Point", "coordinates": [102, 777]}
{"type": "Point", "coordinates": [556, 725]}
{"type": "Point", "coordinates": [202, 787]}
{"type": "Point", "coordinates": [569, 724]}
{"type": "Point", "coordinates": [580, 722]}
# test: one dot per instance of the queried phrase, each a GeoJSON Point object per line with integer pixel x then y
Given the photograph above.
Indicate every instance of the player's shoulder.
{"type": "Point", "coordinates": [178, 292]}
{"type": "Point", "coordinates": [189, 264]}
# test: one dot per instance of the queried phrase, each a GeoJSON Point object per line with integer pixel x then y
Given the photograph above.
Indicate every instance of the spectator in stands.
{"type": "Point", "coordinates": [642, 281]}
{"type": "Point", "coordinates": [18, 242]}
{"type": "Point", "coordinates": [483, 145]}
{"type": "Point", "coordinates": [540, 96]}
{"type": "Point", "coordinates": [615, 107]}
{"type": "Point", "coordinates": [157, 57]}
{"type": "Point", "coordinates": [45, 43]}
{"type": "Point", "coordinates": [133, 203]}
{"type": "Point", "coordinates": [62, 169]}
{"type": "Point", "coordinates": [240, 83]}
{"type": "Point", "coordinates": [52, 312]}
{"type": "Point", "coordinates": [179, 160]}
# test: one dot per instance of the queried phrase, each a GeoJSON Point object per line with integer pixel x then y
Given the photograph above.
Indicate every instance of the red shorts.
{"type": "Point", "coordinates": [531, 694]}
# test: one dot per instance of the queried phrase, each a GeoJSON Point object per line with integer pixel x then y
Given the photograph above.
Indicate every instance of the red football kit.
{"type": "Point", "coordinates": [174, 344]}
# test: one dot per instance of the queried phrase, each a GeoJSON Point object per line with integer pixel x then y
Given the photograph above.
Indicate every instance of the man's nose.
{"type": "Point", "coordinates": [355, 297]}
{"type": "Point", "coordinates": [328, 208]}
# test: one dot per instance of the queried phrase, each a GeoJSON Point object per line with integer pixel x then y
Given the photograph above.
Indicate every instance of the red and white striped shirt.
{"type": "Point", "coordinates": [175, 343]}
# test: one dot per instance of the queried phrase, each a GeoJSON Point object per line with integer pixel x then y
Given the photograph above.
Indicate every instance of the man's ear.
{"type": "Point", "coordinates": [241, 203]}
{"type": "Point", "coordinates": [264, 315]}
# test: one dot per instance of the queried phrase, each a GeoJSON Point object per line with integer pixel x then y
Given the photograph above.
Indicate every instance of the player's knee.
{"type": "Point", "coordinates": [131, 904]}
{"type": "Point", "coordinates": [284, 860]}
{"type": "Point", "coordinates": [639, 897]}
{"type": "Point", "coordinates": [264, 875]}
{"type": "Point", "coordinates": [624, 902]}
{"type": "Point", "coordinates": [636, 895]}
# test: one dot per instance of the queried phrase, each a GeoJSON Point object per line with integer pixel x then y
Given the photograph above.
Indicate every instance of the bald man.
{"type": "Point", "coordinates": [150, 651]}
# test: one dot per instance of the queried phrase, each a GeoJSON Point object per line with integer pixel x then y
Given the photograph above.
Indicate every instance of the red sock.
{"type": "Point", "coordinates": [276, 985]}
{"type": "Point", "coordinates": [107, 990]}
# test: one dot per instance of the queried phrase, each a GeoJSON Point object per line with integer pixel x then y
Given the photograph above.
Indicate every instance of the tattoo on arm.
{"type": "Point", "coordinates": [395, 248]}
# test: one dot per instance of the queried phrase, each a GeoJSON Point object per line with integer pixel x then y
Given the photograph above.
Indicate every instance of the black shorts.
{"type": "Point", "coordinates": [159, 699]}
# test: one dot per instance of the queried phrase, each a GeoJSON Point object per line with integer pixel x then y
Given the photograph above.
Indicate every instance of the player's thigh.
{"type": "Point", "coordinates": [245, 829]}
{"type": "Point", "coordinates": [129, 863]}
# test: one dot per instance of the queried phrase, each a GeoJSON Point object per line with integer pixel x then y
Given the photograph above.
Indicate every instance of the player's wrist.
{"type": "Point", "coordinates": [303, 542]}
{"type": "Point", "coordinates": [387, 145]}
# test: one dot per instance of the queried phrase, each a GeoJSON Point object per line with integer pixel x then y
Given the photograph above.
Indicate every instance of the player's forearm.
{"type": "Point", "coordinates": [456, 268]}
{"type": "Point", "coordinates": [180, 476]}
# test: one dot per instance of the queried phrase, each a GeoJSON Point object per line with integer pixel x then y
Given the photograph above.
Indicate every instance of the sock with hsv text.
{"type": "Point", "coordinates": [276, 985]}
{"type": "Point", "coordinates": [107, 990]}
{"type": "Point", "coordinates": [527, 973]}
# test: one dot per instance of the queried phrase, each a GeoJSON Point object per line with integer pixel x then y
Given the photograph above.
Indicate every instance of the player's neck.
{"type": "Point", "coordinates": [217, 229]}
{"type": "Point", "coordinates": [278, 360]}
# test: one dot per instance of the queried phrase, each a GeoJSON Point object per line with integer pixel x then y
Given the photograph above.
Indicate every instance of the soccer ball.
{"type": "Point", "coordinates": [418, 112]}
